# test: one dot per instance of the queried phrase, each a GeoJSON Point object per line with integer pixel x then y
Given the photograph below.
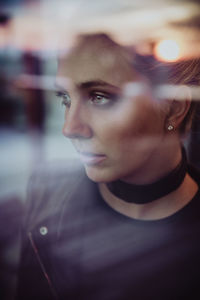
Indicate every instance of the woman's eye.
{"type": "Point", "coordinates": [100, 99]}
{"type": "Point", "coordinates": [66, 100]}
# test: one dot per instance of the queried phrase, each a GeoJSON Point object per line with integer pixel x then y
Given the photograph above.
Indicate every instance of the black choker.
{"type": "Point", "coordinates": [141, 194]}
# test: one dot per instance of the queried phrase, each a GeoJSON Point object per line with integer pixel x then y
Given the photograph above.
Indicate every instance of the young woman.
{"type": "Point", "coordinates": [130, 228]}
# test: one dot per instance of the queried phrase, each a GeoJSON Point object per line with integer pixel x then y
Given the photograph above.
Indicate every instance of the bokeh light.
{"type": "Point", "coordinates": [167, 50]}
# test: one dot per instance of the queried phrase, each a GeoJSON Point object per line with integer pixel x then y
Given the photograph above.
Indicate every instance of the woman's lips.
{"type": "Point", "coordinates": [91, 158]}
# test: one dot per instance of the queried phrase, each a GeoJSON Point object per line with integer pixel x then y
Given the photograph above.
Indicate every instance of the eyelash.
{"type": "Point", "coordinates": [66, 100]}
{"type": "Point", "coordinates": [101, 99]}
{"type": "Point", "coordinates": [92, 97]}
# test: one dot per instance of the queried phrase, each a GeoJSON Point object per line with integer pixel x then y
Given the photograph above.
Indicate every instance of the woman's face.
{"type": "Point", "coordinates": [118, 135]}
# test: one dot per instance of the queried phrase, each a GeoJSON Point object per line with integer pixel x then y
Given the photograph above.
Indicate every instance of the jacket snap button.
{"type": "Point", "coordinates": [43, 230]}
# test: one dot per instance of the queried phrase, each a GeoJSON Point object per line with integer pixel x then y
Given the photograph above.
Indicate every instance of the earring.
{"type": "Point", "coordinates": [170, 127]}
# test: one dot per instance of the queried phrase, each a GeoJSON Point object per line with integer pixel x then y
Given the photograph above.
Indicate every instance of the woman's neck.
{"type": "Point", "coordinates": [158, 209]}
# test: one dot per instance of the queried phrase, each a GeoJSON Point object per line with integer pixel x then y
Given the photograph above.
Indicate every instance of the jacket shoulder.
{"type": "Point", "coordinates": [51, 185]}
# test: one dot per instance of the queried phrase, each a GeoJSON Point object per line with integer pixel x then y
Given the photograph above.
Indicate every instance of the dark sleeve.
{"type": "Point", "coordinates": [48, 189]}
{"type": "Point", "coordinates": [11, 212]}
{"type": "Point", "coordinates": [31, 283]}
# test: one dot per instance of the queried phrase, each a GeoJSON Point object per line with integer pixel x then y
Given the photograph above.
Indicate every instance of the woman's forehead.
{"type": "Point", "coordinates": [94, 64]}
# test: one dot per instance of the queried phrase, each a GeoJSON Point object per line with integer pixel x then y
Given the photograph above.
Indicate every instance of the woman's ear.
{"type": "Point", "coordinates": [178, 108]}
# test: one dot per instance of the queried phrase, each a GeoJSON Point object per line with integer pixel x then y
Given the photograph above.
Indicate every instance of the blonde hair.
{"type": "Point", "coordinates": [187, 73]}
{"type": "Point", "coordinates": [179, 73]}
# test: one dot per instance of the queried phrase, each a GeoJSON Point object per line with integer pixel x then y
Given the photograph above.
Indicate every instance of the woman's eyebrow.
{"type": "Point", "coordinates": [89, 84]}
{"type": "Point", "coordinates": [96, 83]}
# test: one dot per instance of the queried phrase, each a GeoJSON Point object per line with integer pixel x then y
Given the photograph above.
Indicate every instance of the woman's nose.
{"type": "Point", "coordinates": [76, 123]}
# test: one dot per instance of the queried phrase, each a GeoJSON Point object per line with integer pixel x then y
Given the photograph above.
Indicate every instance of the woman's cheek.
{"type": "Point", "coordinates": [133, 117]}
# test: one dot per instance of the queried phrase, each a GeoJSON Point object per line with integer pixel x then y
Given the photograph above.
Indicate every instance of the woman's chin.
{"type": "Point", "coordinates": [97, 175]}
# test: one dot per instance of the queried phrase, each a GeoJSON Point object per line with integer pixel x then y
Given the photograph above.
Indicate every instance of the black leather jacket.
{"type": "Point", "coordinates": [50, 192]}
{"type": "Point", "coordinates": [76, 247]}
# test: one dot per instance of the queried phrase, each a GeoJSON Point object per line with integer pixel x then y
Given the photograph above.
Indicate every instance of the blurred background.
{"type": "Point", "coordinates": [32, 33]}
